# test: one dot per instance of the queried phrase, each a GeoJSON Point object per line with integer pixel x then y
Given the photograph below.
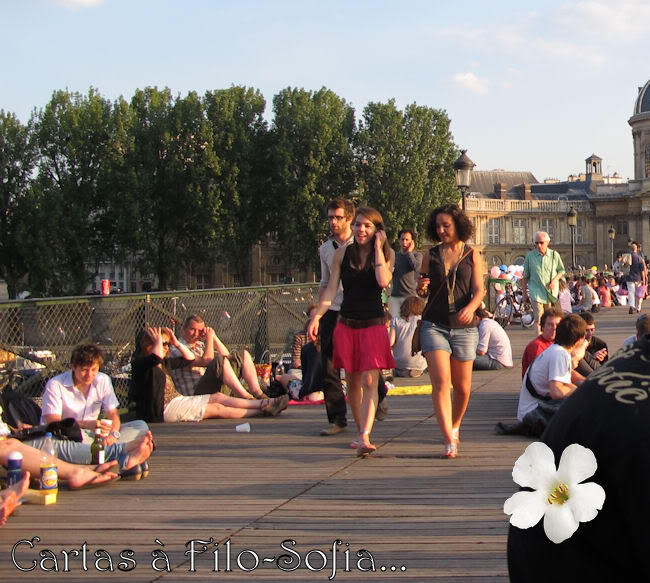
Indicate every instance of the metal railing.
{"type": "Point", "coordinates": [41, 333]}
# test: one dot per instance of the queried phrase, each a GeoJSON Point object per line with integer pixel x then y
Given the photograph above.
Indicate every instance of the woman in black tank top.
{"type": "Point", "coordinates": [361, 344]}
{"type": "Point", "coordinates": [449, 335]}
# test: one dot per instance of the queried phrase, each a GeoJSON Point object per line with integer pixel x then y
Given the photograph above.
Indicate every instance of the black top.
{"type": "Point", "coordinates": [148, 384]}
{"type": "Point", "coordinates": [437, 308]}
{"type": "Point", "coordinates": [609, 414]}
{"type": "Point", "coordinates": [361, 292]}
{"type": "Point", "coordinates": [636, 268]}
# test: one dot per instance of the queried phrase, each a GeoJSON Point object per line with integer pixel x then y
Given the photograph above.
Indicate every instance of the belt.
{"type": "Point", "coordinates": [352, 323]}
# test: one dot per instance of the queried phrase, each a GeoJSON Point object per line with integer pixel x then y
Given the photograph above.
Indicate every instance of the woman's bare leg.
{"type": "Point", "coordinates": [74, 474]}
{"type": "Point", "coordinates": [369, 399]}
{"type": "Point", "coordinates": [461, 379]}
{"type": "Point", "coordinates": [249, 374]}
{"type": "Point", "coordinates": [438, 363]}
{"type": "Point", "coordinates": [353, 380]}
{"type": "Point", "coordinates": [231, 380]}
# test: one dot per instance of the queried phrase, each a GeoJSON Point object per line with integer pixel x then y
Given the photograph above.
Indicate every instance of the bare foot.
{"type": "Point", "coordinates": [138, 451]}
{"type": "Point", "coordinates": [10, 498]}
{"type": "Point", "coordinates": [85, 477]}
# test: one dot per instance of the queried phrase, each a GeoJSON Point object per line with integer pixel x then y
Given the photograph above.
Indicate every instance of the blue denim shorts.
{"type": "Point", "coordinates": [461, 343]}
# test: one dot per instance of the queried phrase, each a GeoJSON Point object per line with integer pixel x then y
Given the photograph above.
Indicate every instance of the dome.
{"type": "Point", "coordinates": [642, 103]}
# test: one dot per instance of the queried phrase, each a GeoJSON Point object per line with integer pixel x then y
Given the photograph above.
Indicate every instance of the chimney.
{"type": "Point", "coordinates": [525, 187]}
{"type": "Point", "coordinates": [500, 190]}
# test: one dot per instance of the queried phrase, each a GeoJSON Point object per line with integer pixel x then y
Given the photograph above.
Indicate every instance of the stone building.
{"type": "Point", "coordinates": [507, 208]}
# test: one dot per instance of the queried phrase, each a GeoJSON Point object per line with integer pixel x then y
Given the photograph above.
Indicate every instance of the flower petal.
{"type": "Point", "coordinates": [526, 508]}
{"type": "Point", "coordinates": [535, 468]}
{"type": "Point", "coordinates": [585, 500]}
{"type": "Point", "coordinates": [576, 464]}
{"type": "Point", "coordinates": [559, 522]}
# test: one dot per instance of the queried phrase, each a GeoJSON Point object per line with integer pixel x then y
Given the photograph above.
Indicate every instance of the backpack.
{"type": "Point", "coordinates": [18, 409]}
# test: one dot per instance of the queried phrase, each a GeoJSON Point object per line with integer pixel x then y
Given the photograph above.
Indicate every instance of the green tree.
{"type": "Point", "coordinates": [239, 133]}
{"type": "Point", "coordinates": [406, 162]}
{"type": "Point", "coordinates": [313, 162]}
{"type": "Point", "coordinates": [175, 171]}
{"type": "Point", "coordinates": [17, 161]}
{"type": "Point", "coordinates": [72, 134]}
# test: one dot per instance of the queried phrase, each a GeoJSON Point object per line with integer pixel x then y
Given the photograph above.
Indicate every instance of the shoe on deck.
{"type": "Point", "coordinates": [332, 429]}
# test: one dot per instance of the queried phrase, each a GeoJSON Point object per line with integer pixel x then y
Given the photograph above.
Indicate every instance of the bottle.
{"type": "Point", "coordinates": [279, 370]}
{"type": "Point", "coordinates": [97, 450]}
{"type": "Point", "coordinates": [14, 468]}
{"type": "Point", "coordinates": [49, 473]}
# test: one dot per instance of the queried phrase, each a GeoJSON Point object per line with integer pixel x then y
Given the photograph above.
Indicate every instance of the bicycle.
{"type": "Point", "coordinates": [511, 307]}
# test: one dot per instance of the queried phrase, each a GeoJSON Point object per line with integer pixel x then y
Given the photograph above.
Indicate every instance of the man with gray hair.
{"type": "Point", "coordinates": [543, 269]}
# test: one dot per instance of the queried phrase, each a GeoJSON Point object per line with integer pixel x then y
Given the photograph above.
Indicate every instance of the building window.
{"type": "Point", "coordinates": [647, 161]}
{"type": "Point", "coordinates": [519, 231]}
{"type": "Point", "coordinates": [474, 236]}
{"type": "Point", "coordinates": [277, 277]}
{"type": "Point", "coordinates": [519, 260]}
{"type": "Point", "coordinates": [547, 225]}
{"type": "Point", "coordinates": [621, 227]}
{"type": "Point", "coordinates": [580, 231]}
{"type": "Point", "coordinates": [496, 260]}
{"type": "Point", "coordinates": [493, 231]}
{"type": "Point", "coordinates": [202, 281]}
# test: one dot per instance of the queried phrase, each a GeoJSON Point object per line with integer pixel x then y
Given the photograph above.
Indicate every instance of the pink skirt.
{"type": "Point", "coordinates": [359, 349]}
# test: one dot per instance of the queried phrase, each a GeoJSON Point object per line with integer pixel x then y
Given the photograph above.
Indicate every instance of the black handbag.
{"type": "Point", "coordinates": [66, 429]}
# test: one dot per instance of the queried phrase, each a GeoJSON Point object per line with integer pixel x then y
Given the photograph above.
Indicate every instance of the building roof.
{"type": "Point", "coordinates": [642, 103]}
{"type": "Point", "coordinates": [483, 181]}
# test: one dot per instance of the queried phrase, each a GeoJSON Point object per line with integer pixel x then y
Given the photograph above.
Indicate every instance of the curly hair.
{"type": "Point", "coordinates": [87, 355]}
{"type": "Point", "coordinates": [463, 224]}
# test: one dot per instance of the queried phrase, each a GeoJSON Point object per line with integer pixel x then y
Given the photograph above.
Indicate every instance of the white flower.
{"type": "Point", "coordinates": [558, 497]}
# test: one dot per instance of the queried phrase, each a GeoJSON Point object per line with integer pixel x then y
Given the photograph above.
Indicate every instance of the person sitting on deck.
{"type": "Point", "coordinates": [82, 393]}
{"type": "Point", "coordinates": [494, 351]}
{"type": "Point", "coordinates": [642, 328]}
{"type": "Point", "coordinates": [401, 332]}
{"type": "Point", "coordinates": [158, 400]}
{"type": "Point", "coordinates": [207, 346]}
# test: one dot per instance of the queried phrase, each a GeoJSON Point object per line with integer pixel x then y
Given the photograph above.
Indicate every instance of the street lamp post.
{"type": "Point", "coordinates": [572, 219]}
{"type": "Point", "coordinates": [612, 235]}
{"type": "Point", "coordinates": [463, 167]}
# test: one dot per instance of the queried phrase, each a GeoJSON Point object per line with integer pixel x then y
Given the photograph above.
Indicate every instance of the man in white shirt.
{"type": "Point", "coordinates": [550, 373]}
{"type": "Point", "coordinates": [494, 350]}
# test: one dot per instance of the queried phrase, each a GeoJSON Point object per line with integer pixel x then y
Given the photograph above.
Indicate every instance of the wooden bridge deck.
{"type": "Point", "coordinates": [404, 507]}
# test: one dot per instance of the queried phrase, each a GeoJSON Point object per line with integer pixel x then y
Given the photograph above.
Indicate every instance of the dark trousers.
{"type": "Point", "coordinates": [334, 397]}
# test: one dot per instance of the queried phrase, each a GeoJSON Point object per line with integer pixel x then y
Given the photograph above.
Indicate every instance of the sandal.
{"type": "Point", "coordinates": [451, 451]}
{"type": "Point", "coordinates": [363, 449]}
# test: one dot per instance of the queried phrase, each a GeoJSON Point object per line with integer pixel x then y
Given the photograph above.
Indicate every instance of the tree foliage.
{"type": "Point", "coordinates": [312, 138]}
{"type": "Point", "coordinates": [406, 162]}
{"type": "Point", "coordinates": [172, 184]}
{"type": "Point", "coordinates": [17, 160]}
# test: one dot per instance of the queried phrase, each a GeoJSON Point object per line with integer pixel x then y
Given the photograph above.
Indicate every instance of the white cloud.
{"type": "Point", "coordinates": [79, 3]}
{"type": "Point", "coordinates": [471, 82]}
{"type": "Point", "coordinates": [621, 20]}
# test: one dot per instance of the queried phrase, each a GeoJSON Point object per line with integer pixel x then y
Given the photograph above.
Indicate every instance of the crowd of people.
{"type": "Point", "coordinates": [434, 322]}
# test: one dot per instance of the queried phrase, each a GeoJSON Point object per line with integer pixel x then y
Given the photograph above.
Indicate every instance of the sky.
{"type": "Point", "coordinates": [528, 85]}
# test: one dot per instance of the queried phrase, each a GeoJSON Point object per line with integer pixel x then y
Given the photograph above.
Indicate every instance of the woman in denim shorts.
{"type": "Point", "coordinates": [451, 277]}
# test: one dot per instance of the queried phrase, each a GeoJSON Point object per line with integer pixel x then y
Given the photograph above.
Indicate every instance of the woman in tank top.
{"type": "Point", "coordinates": [361, 344]}
{"type": "Point", "coordinates": [451, 277]}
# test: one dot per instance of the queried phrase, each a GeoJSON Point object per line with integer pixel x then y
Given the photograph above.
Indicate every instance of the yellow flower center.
{"type": "Point", "coordinates": [559, 494]}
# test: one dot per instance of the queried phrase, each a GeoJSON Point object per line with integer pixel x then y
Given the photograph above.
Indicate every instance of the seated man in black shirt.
{"type": "Point", "coordinates": [596, 353]}
{"type": "Point", "coordinates": [610, 415]}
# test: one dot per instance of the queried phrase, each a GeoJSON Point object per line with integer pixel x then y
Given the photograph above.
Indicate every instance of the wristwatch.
{"type": "Point", "coordinates": [115, 434]}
